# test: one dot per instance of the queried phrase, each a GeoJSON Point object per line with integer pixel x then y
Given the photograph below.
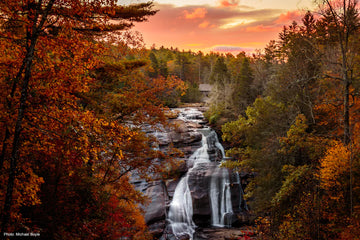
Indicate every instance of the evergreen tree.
{"type": "Point", "coordinates": [154, 71]}
{"type": "Point", "coordinates": [243, 94]}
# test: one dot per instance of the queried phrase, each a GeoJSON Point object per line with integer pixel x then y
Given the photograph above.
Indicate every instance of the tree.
{"type": "Point", "coordinates": [254, 143]}
{"type": "Point", "coordinates": [341, 22]}
{"type": "Point", "coordinates": [295, 81]}
{"type": "Point", "coordinates": [182, 61]}
{"type": "Point", "coordinates": [43, 37]}
{"type": "Point", "coordinates": [243, 94]}
{"type": "Point", "coordinates": [163, 69]}
{"type": "Point", "coordinates": [154, 65]}
{"type": "Point", "coordinates": [220, 78]}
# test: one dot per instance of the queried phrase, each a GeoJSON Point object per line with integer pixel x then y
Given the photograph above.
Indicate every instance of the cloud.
{"type": "Point", "coordinates": [289, 17]}
{"type": "Point", "coordinates": [197, 13]}
{"type": "Point", "coordinates": [262, 28]}
{"type": "Point", "coordinates": [229, 3]}
{"type": "Point", "coordinates": [212, 26]}
{"type": "Point", "coordinates": [204, 24]}
{"type": "Point", "coordinates": [236, 22]}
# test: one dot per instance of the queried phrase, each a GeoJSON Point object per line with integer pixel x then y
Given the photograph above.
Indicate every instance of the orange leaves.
{"type": "Point", "coordinates": [338, 173]}
{"type": "Point", "coordinates": [73, 162]}
{"type": "Point", "coordinates": [28, 187]}
{"type": "Point", "coordinates": [124, 93]}
{"type": "Point", "coordinates": [27, 190]}
{"type": "Point", "coordinates": [334, 165]}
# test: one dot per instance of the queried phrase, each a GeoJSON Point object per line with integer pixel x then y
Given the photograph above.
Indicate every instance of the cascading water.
{"type": "Point", "coordinates": [218, 145]}
{"type": "Point", "coordinates": [181, 209]}
{"type": "Point", "coordinates": [220, 197]}
{"type": "Point", "coordinates": [200, 155]}
{"type": "Point", "coordinates": [180, 213]}
{"type": "Point", "coordinates": [220, 194]}
{"type": "Point", "coordinates": [204, 163]}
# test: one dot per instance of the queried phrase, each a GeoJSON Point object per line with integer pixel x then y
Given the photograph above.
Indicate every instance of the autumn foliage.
{"type": "Point", "coordinates": [78, 91]}
{"type": "Point", "coordinates": [71, 119]}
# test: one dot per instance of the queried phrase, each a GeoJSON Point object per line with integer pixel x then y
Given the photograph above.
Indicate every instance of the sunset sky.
{"type": "Point", "coordinates": [219, 25]}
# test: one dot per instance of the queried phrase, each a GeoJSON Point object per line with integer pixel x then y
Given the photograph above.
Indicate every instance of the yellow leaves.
{"type": "Point", "coordinates": [335, 180]}
{"type": "Point", "coordinates": [334, 165]}
{"type": "Point", "coordinates": [28, 186]}
{"type": "Point", "coordinates": [120, 155]}
{"type": "Point", "coordinates": [85, 159]}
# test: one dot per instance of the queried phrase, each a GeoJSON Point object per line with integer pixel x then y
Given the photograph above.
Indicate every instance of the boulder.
{"type": "Point", "coordinates": [180, 134]}
{"type": "Point", "coordinates": [193, 125]}
{"type": "Point", "coordinates": [179, 126]}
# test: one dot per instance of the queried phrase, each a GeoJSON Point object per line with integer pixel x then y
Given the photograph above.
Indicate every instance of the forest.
{"type": "Point", "coordinates": [78, 87]}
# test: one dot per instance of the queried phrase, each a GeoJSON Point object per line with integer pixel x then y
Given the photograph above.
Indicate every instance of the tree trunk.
{"type": "Point", "coordinates": [32, 37]}
{"type": "Point", "coordinates": [17, 135]}
{"type": "Point", "coordinates": [347, 137]}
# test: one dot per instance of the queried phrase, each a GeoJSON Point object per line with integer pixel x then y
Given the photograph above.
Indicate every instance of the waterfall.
{"type": "Point", "coordinates": [219, 146]}
{"type": "Point", "coordinates": [181, 209]}
{"type": "Point", "coordinates": [200, 155]}
{"type": "Point", "coordinates": [203, 160]}
{"type": "Point", "coordinates": [220, 194]}
{"type": "Point", "coordinates": [220, 197]}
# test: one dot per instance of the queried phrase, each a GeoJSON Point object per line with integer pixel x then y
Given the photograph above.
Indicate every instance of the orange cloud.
{"type": "Point", "coordinates": [262, 28]}
{"type": "Point", "coordinates": [197, 13]}
{"type": "Point", "coordinates": [168, 28]}
{"type": "Point", "coordinates": [194, 44]}
{"type": "Point", "coordinates": [229, 3]}
{"type": "Point", "coordinates": [289, 16]}
{"type": "Point", "coordinates": [204, 24]}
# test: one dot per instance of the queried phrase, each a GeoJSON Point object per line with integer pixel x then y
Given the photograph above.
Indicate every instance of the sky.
{"type": "Point", "coordinates": [219, 25]}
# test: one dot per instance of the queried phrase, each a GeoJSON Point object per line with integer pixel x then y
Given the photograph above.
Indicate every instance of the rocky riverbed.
{"type": "Point", "coordinates": [243, 233]}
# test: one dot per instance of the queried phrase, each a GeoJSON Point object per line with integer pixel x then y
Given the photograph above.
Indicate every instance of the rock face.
{"type": "Point", "coordinates": [187, 134]}
{"type": "Point", "coordinates": [155, 214]}
{"type": "Point", "coordinates": [155, 210]}
{"type": "Point", "coordinates": [199, 184]}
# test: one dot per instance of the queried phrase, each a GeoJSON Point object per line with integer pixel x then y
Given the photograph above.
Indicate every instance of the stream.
{"type": "Point", "coordinates": [206, 196]}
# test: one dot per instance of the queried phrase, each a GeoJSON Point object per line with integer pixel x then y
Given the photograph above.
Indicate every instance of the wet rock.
{"type": "Point", "coordinates": [180, 134]}
{"type": "Point", "coordinates": [193, 125]}
{"type": "Point", "coordinates": [179, 126]}
{"type": "Point", "coordinates": [171, 185]}
{"type": "Point", "coordinates": [181, 139]}
{"type": "Point", "coordinates": [186, 134]}
{"type": "Point", "coordinates": [163, 138]}
{"type": "Point", "coordinates": [225, 233]}
{"type": "Point", "coordinates": [156, 229]}
{"type": "Point", "coordinates": [168, 235]}
{"type": "Point", "coordinates": [156, 210]}
{"type": "Point", "coordinates": [199, 184]}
